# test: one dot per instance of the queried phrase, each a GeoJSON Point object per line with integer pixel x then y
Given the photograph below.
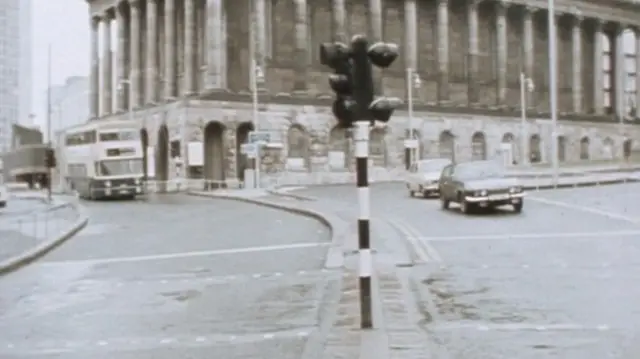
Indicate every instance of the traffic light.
{"type": "Point", "coordinates": [382, 55]}
{"type": "Point", "coordinates": [50, 158]}
{"type": "Point", "coordinates": [338, 57]}
{"type": "Point", "coordinates": [352, 80]}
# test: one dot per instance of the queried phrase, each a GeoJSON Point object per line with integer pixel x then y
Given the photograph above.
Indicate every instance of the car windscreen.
{"type": "Point", "coordinates": [432, 166]}
{"type": "Point", "coordinates": [119, 167]}
{"type": "Point", "coordinates": [482, 170]}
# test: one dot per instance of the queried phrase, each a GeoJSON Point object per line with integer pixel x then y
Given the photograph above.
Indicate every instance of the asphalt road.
{"type": "Point", "coordinates": [172, 277]}
{"type": "Point", "coordinates": [557, 281]}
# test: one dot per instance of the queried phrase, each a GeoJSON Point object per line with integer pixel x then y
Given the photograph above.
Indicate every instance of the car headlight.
{"type": "Point", "coordinates": [515, 189]}
{"type": "Point", "coordinates": [480, 193]}
{"type": "Point", "coordinates": [107, 183]}
{"type": "Point", "coordinates": [137, 180]}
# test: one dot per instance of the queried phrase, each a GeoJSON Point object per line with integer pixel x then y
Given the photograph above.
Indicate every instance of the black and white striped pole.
{"type": "Point", "coordinates": [355, 108]}
{"type": "Point", "coordinates": [361, 139]}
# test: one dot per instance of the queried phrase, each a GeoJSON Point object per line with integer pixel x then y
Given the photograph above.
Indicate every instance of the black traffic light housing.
{"type": "Point", "coordinates": [50, 158]}
{"type": "Point", "coordinates": [352, 80]}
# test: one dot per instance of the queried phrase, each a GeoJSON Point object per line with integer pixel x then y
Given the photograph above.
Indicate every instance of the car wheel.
{"type": "Point", "coordinates": [411, 193]}
{"type": "Point", "coordinates": [465, 207]}
{"type": "Point", "coordinates": [517, 207]}
{"type": "Point", "coordinates": [444, 202]}
{"type": "Point", "coordinates": [425, 194]}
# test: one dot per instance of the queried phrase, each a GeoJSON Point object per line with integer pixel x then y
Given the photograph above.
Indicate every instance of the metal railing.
{"type": "Point", "coordinates": [20, 232]}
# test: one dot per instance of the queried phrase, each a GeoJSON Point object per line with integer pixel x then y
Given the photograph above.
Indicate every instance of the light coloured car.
{"type": "Point", "coordinates": [480, 185]}
{"type": "Point", "coordinates": [424, 175]}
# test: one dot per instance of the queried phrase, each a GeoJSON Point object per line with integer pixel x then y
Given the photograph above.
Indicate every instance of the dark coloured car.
{"type": "Point", "coordinates": [479, 184]}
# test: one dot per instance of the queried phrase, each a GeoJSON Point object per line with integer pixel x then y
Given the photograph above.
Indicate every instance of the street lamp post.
{"type": "Point", "coordinates": [526, 86]}
{"type": "Point", "coordinates": [413, 82]}
{"type": "Point", "coordinates": [553, 87]}
{"type": "Point", "coordinates": [257, 76]}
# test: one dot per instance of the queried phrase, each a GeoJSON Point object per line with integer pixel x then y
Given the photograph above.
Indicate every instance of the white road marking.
{"type": "Point", "coordinates": [425, 251]}
{"type": "Point", "coordinates": [193, 254]}
{"type": "Point", "coordinates": [53, 347]}
{"type": "Point", "coordinates": [523, 327]}
{"type": "Point", "coordinates": [604, 234]}
{"type": "Point", "coordinates": [586, 209]}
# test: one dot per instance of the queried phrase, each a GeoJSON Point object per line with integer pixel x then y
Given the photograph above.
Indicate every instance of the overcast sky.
{"type": "Point", "coordinates": [65, 25]}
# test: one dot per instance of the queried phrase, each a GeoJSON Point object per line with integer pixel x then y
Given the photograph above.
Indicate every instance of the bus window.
{"type": "Point", "coordinates": [118, 136]}
{"type": "Point", "coordinates": [119, 167]}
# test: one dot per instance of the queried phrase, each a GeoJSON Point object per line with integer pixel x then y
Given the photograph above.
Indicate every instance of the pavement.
{"type": "Point", "coordinates": [27, 222]}
{"type": "Point", "coordinates": [557, 281]}
{"type": "Point", "coordinates": [172, 276]}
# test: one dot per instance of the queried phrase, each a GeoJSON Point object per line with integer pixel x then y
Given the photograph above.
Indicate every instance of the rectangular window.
{"type": "Point", "coordinates": [119, 167]}
{"type": "Point", "coordinates": [119, 136]}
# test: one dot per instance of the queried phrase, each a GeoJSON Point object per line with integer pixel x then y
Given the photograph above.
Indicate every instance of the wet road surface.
{"type": "Point", "coordinates": [172, 277]}
{"type": "Point", "coordinates": [558, 281]}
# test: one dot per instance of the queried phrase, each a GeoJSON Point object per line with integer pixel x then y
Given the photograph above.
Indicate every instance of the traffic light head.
{"type": "Point", "coordinates": [382, 108]}
{"type": "Point", "coordinates": [382, 54]}
{"type": "Point", "coordinates": [50, 158]}
{"type": "Point", "coordinates": [340, 83]}
{"type": "Point", "coordinates": [334, 54]}
{"type": "Point", "coordinates": [344, 111]}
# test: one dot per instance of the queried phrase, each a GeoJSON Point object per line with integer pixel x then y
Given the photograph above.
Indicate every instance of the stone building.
{"type": "Point", "coordinates": [186, 66]}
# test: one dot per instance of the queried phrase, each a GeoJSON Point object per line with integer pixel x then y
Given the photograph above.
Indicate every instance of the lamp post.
{"type": "Point", "coordinates": [526, 86]}
{"type": "Point", "coordinates": [413, 82]}
{"type": "Point", "coordinates": [553, 87]}
{"type": "Point", "coordinates": [257, 76]}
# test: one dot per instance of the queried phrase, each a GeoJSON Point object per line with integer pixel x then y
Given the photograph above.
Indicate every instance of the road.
{"type": "Point", "coordinates": [558, 281]}
{"type": "Point", "coordinates": [172, 277]}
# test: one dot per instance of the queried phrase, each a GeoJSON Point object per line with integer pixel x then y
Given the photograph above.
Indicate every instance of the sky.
{"type": "Point", "coordinates": [65, 25]}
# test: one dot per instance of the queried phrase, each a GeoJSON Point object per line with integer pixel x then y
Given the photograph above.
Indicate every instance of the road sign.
{"type": "Point", "coordinates": [259, 137]}
{"type": "Point", "coordinates": [249, 149]}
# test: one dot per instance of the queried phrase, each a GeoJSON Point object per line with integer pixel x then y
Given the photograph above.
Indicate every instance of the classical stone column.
{"type": "Point", "coordinates": [95, 69]}
{"type": "Point", "coordinates": [122, 88]}
{"type": "Point", "coordinates": [620, 74]}
{"type": "Point", "coordinates": [443, 51]}
{"type": "Point", "coordinates": [134, 72]}
{"type": "Point", "coordinates": [107, 65]}
{"type": "Point", "coordinates": [501, 61]}
{"type": "Point", "coordinates": [637, 99]}
{"type": "Point", "coordinates": [300, 84]}
{"type": "Point", "coordinates": [576, 46]}
{"type": "Point", "coordinates": [151, 60]}
{"type": "Point", "coordinates": [375, 34]}
{"type": "Point", "coordinates": [528, 44]}
{"type": "Point", "coordinates": [214, 44]}
{"type": "Point", "coordinates": [189, 47]}
{"type": "Point", "coordinates": [169, 49]}
{"type": "Point", "coordinates": [411, 40]}
{"type": "Point", "coordinates": [338, 17]}
{"type": "Point", "coordinates": [261, 36]}
{"type": "Point", "coordinates": [598, 76]}
{"type": "Point", "coordinates": [472, 60]}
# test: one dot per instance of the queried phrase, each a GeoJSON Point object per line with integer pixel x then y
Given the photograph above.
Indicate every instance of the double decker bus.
{"type": "Point", "coordinates": [103, 159]}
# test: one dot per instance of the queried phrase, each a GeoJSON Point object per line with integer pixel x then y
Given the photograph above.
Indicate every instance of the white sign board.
{"type": "Point", "coordinates": [259, 137]}
{"type": "Point", "coordinates": [195, 154]}
{"type": "Point", "coordinates": [249, 149]}
{"type": "Point", "coordinates": [411, 143]}
{"type": "Point", "coordinates": [151, 162]}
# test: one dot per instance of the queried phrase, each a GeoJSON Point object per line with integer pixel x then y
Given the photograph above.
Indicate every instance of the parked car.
{"type": "Point", "coordinates": [423, 176]}
{"type": "Point", "coordinates": [479, 184]}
